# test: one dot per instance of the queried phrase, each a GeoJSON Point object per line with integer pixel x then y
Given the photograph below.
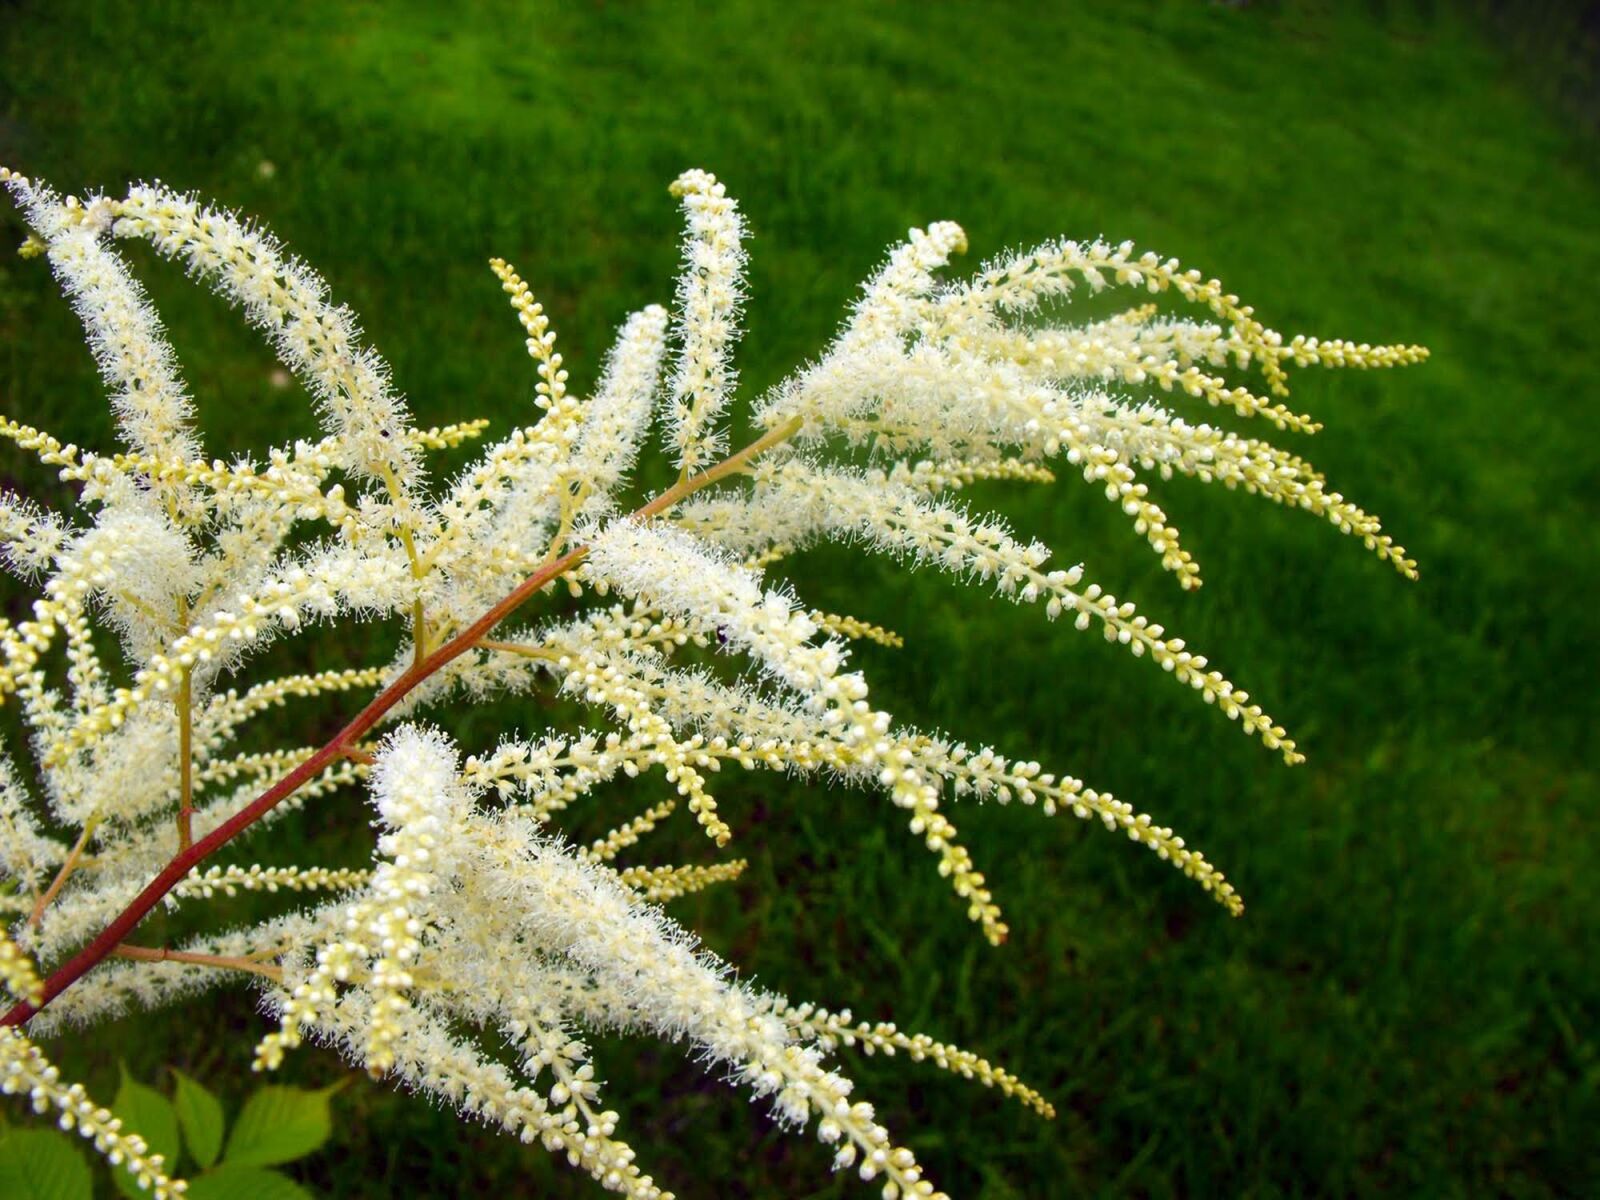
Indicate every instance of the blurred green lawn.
{"type": "Point", "coordinates": [1407, 1006]}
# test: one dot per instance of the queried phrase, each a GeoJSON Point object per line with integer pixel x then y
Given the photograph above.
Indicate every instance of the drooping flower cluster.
{"type": "Point", "coordinates": [478, 948]}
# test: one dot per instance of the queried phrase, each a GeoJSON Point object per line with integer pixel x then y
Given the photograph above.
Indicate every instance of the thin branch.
{"type": "Point", "coordinates": [520, 649]}
{"type": "Point", "coordinates": [185, 703]}
{"type": "Point", "coordinates": [152, 614]}
{"type": "Point", "coordinates": [225, 962]}
{"type": "Point", "coordinates": [419, 618]}
{"type": "Point", "coordinates": [67, 868]}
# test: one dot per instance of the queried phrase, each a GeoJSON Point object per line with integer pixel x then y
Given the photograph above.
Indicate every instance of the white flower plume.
{"type": "Point", "coordinates": [464, 947]}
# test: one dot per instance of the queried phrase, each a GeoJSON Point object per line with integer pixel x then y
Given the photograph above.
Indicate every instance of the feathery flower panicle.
{"type": "Point", "coordinates": [473, 950]}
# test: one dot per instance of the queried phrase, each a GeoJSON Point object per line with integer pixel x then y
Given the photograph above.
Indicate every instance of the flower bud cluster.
{"type": "Point", "coordinates": [230, 881]}
{"type": "Point", "coordinates": [24, 1069]}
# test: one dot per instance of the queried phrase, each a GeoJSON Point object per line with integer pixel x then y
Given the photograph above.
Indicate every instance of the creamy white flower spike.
{"type": "Point", "coordinates": [710, 293]}
{"type": "Point", "coordinates": [288, 301]}
{"type": "Point", "coordinates": [154, 412]}
{"type": "Point", "coordinates": [470, 950]}
{"type": "Point", "coordinates": [670, 570]}
{"type": "Point", "coordinates": [24, 1069]}
{"type": "Point", "coordinates": [616, 421]}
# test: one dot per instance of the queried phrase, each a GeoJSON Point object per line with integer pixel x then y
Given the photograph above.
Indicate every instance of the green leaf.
{"type": "Point", "coordinates": [200, 1114]}
{"type": "Point", "coordinates": [148, 1113]}
{"type": "Point", "coordinates": [279, 1124]}
{"type": "Point", "coordinates": [42, 1164]}
{"type": "Point", "coordinates": [245, 1183]}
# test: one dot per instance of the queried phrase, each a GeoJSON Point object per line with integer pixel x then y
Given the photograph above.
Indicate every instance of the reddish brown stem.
{"type": "Point", "coordinates": [345, 741]}
{"type": "Point", "coordinates": [185, 861]}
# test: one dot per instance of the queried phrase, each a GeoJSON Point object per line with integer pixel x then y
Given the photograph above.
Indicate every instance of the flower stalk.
{"type": "Point", "coordinates": [476, 924]}
{"type": "Point", "coordinates": [344, 743]}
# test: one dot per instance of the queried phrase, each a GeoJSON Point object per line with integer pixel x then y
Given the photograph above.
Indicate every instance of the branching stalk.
{"type": "Point", "coordinates": [346, 740]}
{"type": "Point", "coordinates": [185, 704]}
{"type": "Point", "coordinates": [520, 649]}
{"type": "Point", "coordinates": [419, 572]}
{"type": "Point", "coordinates": [224, 962]}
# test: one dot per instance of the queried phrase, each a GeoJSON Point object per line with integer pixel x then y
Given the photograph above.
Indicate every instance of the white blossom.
{"type": "Point", "coordinates": [465, 948]}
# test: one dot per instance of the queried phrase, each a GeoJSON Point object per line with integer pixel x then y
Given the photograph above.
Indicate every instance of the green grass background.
{"type": "Point", "coordinates": [1407, 1006]}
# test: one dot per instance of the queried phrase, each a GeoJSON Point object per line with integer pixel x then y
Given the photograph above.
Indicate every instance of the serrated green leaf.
{"type": "Point", "coordinates": [148, 1113]}
{"type": "Point", "coordinates": [279, 1124]}
{"type": "Point", "coordinates": [42, 1164]}
{"type": "Point", "coordinates": [245, 1183]}
{"type": "Point", "coordinates": [200, 1115]}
